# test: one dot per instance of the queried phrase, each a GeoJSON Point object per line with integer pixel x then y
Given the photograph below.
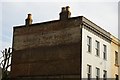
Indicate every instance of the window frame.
{"type": "Point", "coordinates": [116, 57]}
{"type": "Point", "coordinates": [97, 73]}
{"type": "Point", "coordinates": [116, 77]}
{"type": "Point", "coordinates": [89, 71]}
{"type": "Point", "coordinates": [104, 52]}
{"type": "Point", "coordinates": [104, 73]}
{"type": "Point", "coordinates": [97, 48]}
{"type": "Point", "coordinates": [89, 44]}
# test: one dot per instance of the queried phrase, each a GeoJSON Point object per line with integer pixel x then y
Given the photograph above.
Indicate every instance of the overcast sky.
{"type": "Point", "coordinates": [104, 13]}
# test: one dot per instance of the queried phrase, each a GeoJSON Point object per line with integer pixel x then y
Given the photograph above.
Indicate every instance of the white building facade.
{"type": "Point", "coordinates": [96, 50]}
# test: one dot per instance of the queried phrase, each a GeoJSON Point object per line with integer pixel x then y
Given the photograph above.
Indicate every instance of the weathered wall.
{"type": "Point", "coordinates": [114, 67]}
{"type": "Point", "coordinates": [114, 48]}
{"type": "Point", "coordinates": [54, 60]}
{"type": "Point", "coordinates": [66, 35]}
{"type": "Point", "coordinates": [51, 48]}
{"type": "Point", "coordinates": [0, 73]}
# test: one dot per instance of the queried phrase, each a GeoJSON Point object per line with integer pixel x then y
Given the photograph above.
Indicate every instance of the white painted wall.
{"type": "Point", "coordinates": [92, 59]}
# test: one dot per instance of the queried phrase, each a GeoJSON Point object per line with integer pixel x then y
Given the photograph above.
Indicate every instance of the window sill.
{"type": "Point", "coordinates": [97, 56]}
{"type": "Point", "coordinates": [116, 65]}
{"type": "Point", "coordinates": [89, 52]}
{"type": "Point", "coordinates": [105, 59]}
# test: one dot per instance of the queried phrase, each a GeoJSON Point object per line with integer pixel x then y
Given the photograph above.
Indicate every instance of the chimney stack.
{"type": "Point", "coordinates": [28, 21]}
{"type": "Point", "coordinates": [65, 13]}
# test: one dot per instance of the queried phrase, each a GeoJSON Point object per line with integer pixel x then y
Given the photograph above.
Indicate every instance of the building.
{"type": "Point", "coordinates": [115, 56]}
{"type": "Point", "coordinates": [47, 50]}
{"type": "Point", "coordinates": [71, 47]}
{"type": "Point", "coordinates": [96, 45]}
{"type": "Point", "coordinates": [119, 62]}
{"type": "Point", "coordinates": [0, 73]}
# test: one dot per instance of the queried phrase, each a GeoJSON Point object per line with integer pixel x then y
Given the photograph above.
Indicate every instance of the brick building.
{"type": "Point", "coordinates": [49, 49]}
{"type": "Point", "coordinates": [61, 49]}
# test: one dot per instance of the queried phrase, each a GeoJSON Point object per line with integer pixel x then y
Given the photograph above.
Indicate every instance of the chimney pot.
{"type": "Point", "coordinates": [67, 8]}
{"type": "Point", "coordinates": [65, 13]}
{"type": "Point", "coordinates": [63, 9]}
{"type": "Point", "coordinates": [29, 16]}
{"type": "Point", "coordinates": [29, 20]}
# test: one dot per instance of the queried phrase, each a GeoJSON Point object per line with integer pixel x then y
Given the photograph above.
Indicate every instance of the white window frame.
{"type": "Point", "coordinates": [89, 71]}
{"type": "Point", "coordinates": [97, 48]}
{"type": "Point", "coordinates": [104, 75]}
{"type": "Point", "coordinates": [97, 73]}
{"type": "Point", "coordinates": [89, 44]}
{"type": "Point", "coordinates": [104, 52]}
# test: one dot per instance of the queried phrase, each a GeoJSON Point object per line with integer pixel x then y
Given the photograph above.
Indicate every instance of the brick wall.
{"type": "Point", "coordinates": [51, 48]}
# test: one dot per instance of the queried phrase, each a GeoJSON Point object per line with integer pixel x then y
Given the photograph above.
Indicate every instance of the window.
{"type": "Point", "coordinates": [97, 48]}
{"type": "Point", "coordinates": [117, 77]}
{"type": "Point", "coordinates": [89, 72]}
{"type": "Point", "coordinates": [104, 75]}
{"type": "Point", "coordinates": [116, 57]}
{"type": "Point", "coordinates": [104, 52]}
{"type": "Point", "coordinates": [97, 73]}
{"type": "Point", "coordinates": [88, 44]}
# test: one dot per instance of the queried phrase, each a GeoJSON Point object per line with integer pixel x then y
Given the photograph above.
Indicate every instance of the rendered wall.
{"type": "Point", "coordinates": [92, 59]}
{"type": "Point", "coordinates": [114, 47]}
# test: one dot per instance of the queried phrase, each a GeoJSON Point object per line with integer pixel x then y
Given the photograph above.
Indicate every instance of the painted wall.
{"type": "Point", "coordinates": [92, 59]}
{"type": "Point", "coordinates": [119, 61]}
{"type": "Point", "coordinates": [114, 47]}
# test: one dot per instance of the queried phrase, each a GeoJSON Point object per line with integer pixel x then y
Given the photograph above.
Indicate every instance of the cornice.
{"type": "Point", "coordinates": [98, 31]}
{"type": "Point", "coordinates": [115, 40]}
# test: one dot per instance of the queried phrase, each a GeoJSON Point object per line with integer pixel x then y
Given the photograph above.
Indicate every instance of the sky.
{"type": "Point", "coordinates": [13, 13]}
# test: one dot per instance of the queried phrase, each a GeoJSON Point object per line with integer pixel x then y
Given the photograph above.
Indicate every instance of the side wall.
{"type": "Point", "coordinates": [49, 49]}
